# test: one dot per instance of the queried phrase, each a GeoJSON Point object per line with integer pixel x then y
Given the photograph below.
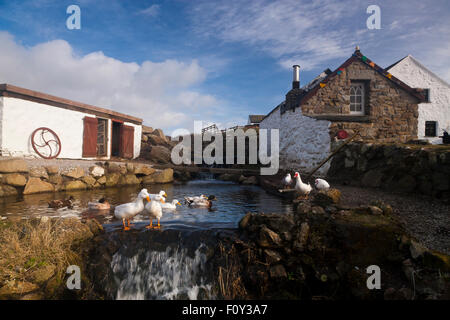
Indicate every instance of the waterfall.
{"type": "Point", "coordinates": [169, 274]}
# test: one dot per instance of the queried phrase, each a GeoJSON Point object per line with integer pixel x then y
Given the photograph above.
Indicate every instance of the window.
{"type": "Point", "coordinates": [357, 98]}
{"type": "Point", "coordinates": [102, 133]}
{"type": "Point", "coordinates": [426, 93]}
{"type": "Point", "coordinates": [430, 128]}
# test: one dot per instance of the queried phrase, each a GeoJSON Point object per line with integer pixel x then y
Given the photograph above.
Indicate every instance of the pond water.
{"type": "Point", "coordinates": [233, 202]}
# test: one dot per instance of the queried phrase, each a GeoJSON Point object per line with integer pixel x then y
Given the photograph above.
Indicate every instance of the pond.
{"type": "Point", "coordinates": [233, 202]}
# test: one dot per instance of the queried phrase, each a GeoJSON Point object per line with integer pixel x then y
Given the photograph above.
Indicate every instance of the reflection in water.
{"type": "Point", "coordinates": [233, 202]}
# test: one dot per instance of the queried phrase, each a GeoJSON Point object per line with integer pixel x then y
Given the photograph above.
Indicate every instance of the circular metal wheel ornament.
{"type": "Point", "coordinates": [342, 134]}
{"type": "Point", "coordinates": [46, 143]}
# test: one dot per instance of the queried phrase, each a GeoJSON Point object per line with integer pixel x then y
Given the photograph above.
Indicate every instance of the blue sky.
{"type": "Point", "coordinates": [172, 62]}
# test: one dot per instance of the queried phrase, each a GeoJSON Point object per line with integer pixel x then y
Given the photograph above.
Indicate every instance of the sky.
{"type": "Point", "coordinates": [173, 62]}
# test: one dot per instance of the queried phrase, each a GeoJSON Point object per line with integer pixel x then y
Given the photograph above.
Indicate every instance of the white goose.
{"type": "Point", "coordinates": [129, 210]}
{"type": "Point", "coordinates": [171, 206]}
{"type": "Point", "coordinates": [155, 211]}
{"type": "Point", "coordinates": [301, 187]}
{"type": "Point", "coordinates": [322, 184]}
{"type": "Point", "coordinates": [155, 196]}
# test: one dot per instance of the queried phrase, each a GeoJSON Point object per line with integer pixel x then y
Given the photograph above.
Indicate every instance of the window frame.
{"type": "Point", "coordinates": [362, 86]}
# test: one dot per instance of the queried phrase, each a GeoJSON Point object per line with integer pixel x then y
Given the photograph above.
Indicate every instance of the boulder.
{"type": "Point", "coordinates": [74, 173]}
{"type": "Point", "coordinates": [130, 167]}
{"type": "Point", "coordinates": [43, 274]}
{"type": "Point", "coordinates": [372, 178]}
{"type": "Point", "coordinates": [116, 168]}
{"type": "Point", "coordinates": [375, 210]}
{"type": "Point", "coordinates": [55, 179]}
{"type": "Point", "coordinates": [272, 256]}
{"type": "Point", "coordinates": [112, 179]}
{"type": "Point", "coordinates": [328, 197]}
{"type": "Point", "coordinates": [101, 180]}
{"type": "Point", "coordinates": [160, 154]}
{"type": "Point", "coordinates": [89, 180]}
{"type": "Point", "coordinates": [52, 169]}
{"type": "Point", "coordinates": [75, 185]}
{"type": "Point", "coordinates": [8, 191]}
{"type": "Point", "coordinates": [302, 239]}
{"type": "Point", "coordinates": [268, 238]}
{"type": "Point", "coordinates": [14, 288]}
{"type": "Point", "coordinates": [128, 179]}
{"type": "Point", "coordinates": [38, 172]}
{"type": "Point", "coordinates": [159, 133]}
{"type": "Point", "coordinates": [251, 180]}
{"type": "Point", "coordinates": [441, 181]}
{"type": "Point", "coordinates": [141, 169]}
{"type": "Point", "coordinates": [36, 185]}
{"type": "Point", "coordinates": [96, 171]}
{"type": "Point", "coordinates": [245, 220]}
{"type": "Point", "coordinates": [416, 249]}
{"type": "Point", "coordinates": [164, 176]}
{"type": "Point", "coordinates": [144, 138]}
{"type": "Point", "coordinates": [15, 179]}
{"type": "Point", "coordinates": [13, 165]}
{"type": "Point", "coordinates": [156, 140]}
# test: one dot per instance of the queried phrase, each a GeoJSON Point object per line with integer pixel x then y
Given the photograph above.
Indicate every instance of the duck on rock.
{"type": "Point", "coordinates": [301, 187]}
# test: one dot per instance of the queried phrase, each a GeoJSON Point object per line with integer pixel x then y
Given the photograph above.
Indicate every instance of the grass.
{"type": "Point", "coordinates": [230, 282]}
{"type": "Point", "coordinates": [27, 246]}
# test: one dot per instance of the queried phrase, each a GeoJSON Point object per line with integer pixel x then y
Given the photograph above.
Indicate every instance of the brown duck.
{"type": "Point", "coordinates": [56, 204]}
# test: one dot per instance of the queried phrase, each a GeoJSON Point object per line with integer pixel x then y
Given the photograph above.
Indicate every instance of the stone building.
{"type": "Point", "coordinates": [358, 96]}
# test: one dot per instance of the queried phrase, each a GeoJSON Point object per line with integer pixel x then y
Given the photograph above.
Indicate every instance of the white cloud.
{"type": "Point", "coordinates": [162, 93]}
{"type": "Point", "coordinates": [151, 11]}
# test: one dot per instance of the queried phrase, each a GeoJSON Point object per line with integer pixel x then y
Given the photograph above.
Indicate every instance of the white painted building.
{"type": "Point", "coordinates": [84, 131]}
{"type": "Point", "coordinates": [434, 116]}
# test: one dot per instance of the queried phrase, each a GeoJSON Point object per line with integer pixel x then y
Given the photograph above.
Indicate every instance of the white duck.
{"type": "Point", "coordinates": [155, 211]}
{"type": "Point", "coordinates": [129, 210]}
{"type": "Point", "coordinates": [171, 206]}
{"type": "Point", "coordinates": [156, 196]}
{"type": "Point", "coordinates": [301, 187]}
{"type": "Point", "coordinates": [287, 180]}
{"type": "Point", "coordinates": [322, 184]}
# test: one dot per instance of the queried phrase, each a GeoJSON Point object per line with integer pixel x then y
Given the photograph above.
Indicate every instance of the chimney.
{"type": "Point", "coordinates": [296, 77]}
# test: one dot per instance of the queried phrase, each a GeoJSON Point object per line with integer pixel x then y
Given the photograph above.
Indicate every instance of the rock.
{"type": "Point", "coordinates": [375, 210]}
{"type": "Point", "coordinates": [128, 179]}
{"type": "Point", "coordinates": [141, 169]}
{"type": "Point", "coordinates": [116, 168]}
{"type": "Point", "coordinates": [96, 171]}
{"type": "Point", "coordinates": [441, 181]}
{"type": "Point", "coordinates": [95, 227]}
{"type": "Point", "coordinates": [101, 180]}
{"type": "Point", "coordinates": [349, 163]}
{"type": "Point", "coordinates": [251, 180]}
{"type": "Point", "coordinates": [74, 173]}
{"type": "Point", "coordinates": [268, 238]}
{"type": "Point", "coordinates": [416, 249]}
{"type": "Point", "coordinates": [406, 183]}
{"type": "Point", "coordinates": [164, 176]}
{"type": "Point", "coordinates": [156, 140]}
{"type": "Point", "coordinates": [277, 272]}
{"type": "Point", "coordinates": [144, 138]}
{"type": "Point", "coordinates": [112, 179]}
{"type": "Point", "coordinates": [89, 180]}
{"type": "Point", "coordinates": [245, 220]}
{"type": "Point", "coordinates": [303, 208]}
{"type": "Point", "coordinates": [372, 178]}
{"type": "Point", "coordinates": [130, 167]}
{"type": "Point", "coordinates": [160, 154]}
{"type": "Point", "coordinates": [317, 210]}
{"type": "Point", "coordinates": [8, 191]}
{"type": "Point", "coordinates": [52, 169]}
{"type": "Point", "coordinates": [242, 178]}
{"type": "Point", "coordinates": [32, 296]}
{"type": "Point", "coordinates": [55, 179]}
{"type": "Point", "coordinates": [15, 179]}
{"type": "Point", "coordinates": [328, 197]}
{"type": "Point", "coordinates": [15, 287]}
{"type": "Point", "coordinates": [13, 165]}
{"type": "Point", "coordinates": [38, 172]}
{"type": "Point", "coordinates": [228, 177]}
{"type": "Point", "coordinates": [159, 133]}
{"type": "Point", "coordinates": [272, 256]}
{"type": "Point", "coordinates": [75, 185]}
{"type": "Point", "coordinates": [36, 185]}
{"type": "Point", "coordinates": [302, 239]}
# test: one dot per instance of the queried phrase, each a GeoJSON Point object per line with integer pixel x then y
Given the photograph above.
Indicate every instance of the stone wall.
{"type": "Point", "coordinates": [391, 113]}
{"type": "Point", "coordinates": [403, 168]}
{"type": "Point", "coordinates": [18, 177]}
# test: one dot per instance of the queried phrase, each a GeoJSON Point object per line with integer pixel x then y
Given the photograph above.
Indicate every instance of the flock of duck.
{"type": "Point", "coordinates": [154, 206]}
{"type": "Point", "coordinates": [304, 188]}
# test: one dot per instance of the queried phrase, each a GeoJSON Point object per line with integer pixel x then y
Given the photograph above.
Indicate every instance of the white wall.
{"type": "Point", "coordinates": [304, 141]}
{"type": "Point", "coordinates": [22, 117]}
{"type": "Point", "coordinates": [414, 74]}
{"type": "Point", "coordinates": [137, 139]}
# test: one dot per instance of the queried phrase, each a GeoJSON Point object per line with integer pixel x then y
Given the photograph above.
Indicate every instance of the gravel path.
{"type": "Point", "coordinates": [426, 219]}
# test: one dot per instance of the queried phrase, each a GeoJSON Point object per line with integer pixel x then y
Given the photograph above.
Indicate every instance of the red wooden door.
{"type": "Point", "coordinates": [90, 137]}
{"type": "Point", "coordinates": [127, 142]}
